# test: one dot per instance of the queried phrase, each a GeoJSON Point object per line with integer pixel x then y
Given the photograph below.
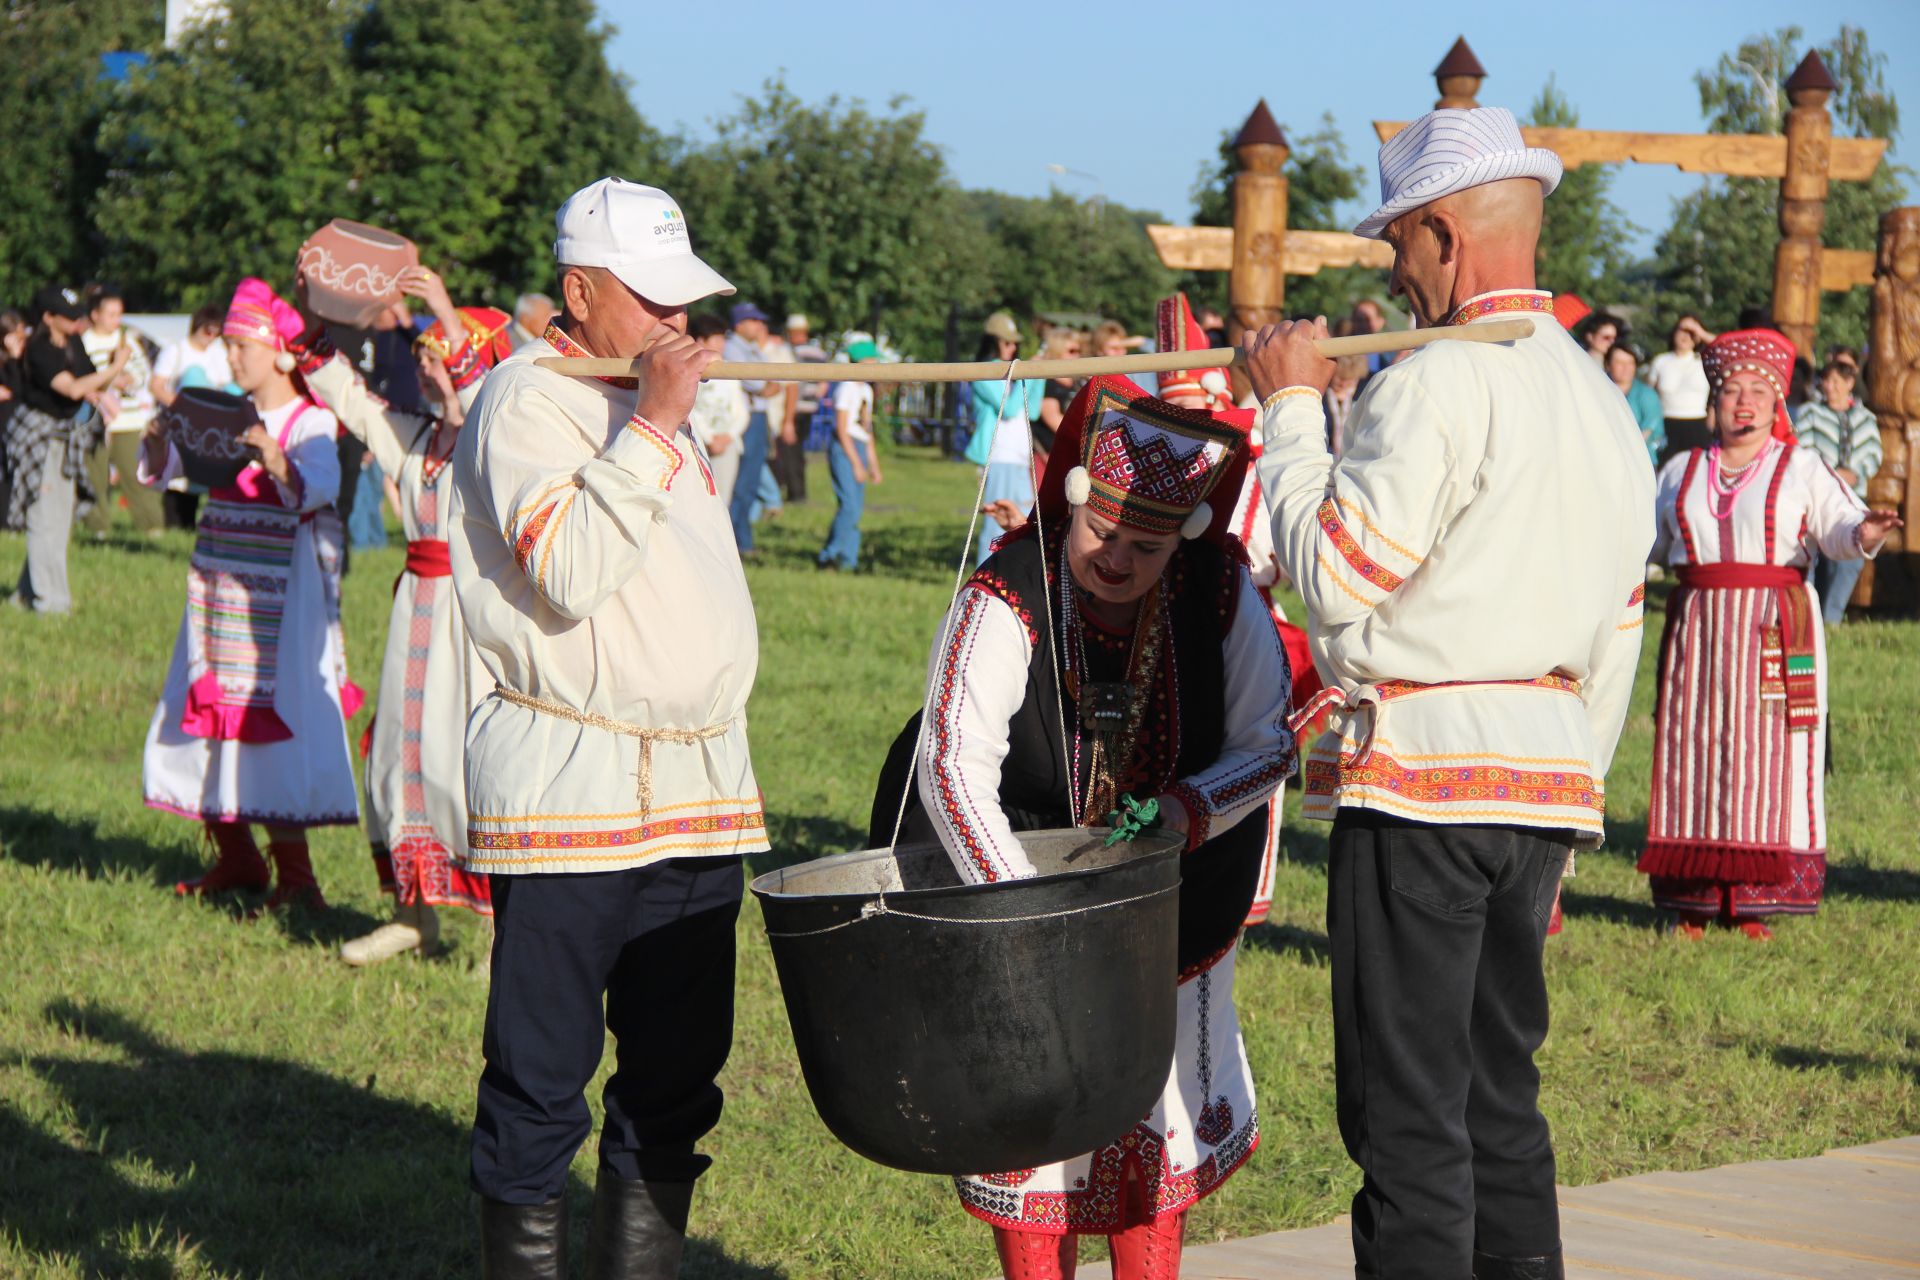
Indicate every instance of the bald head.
{"type": "Point", "coordinates": [1466, 244]}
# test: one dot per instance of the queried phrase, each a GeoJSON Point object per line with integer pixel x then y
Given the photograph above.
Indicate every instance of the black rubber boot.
{"type": "Point", "coordinates": [639, 1229]}
{"type": "Point", "coordinates": [523, 1241]}
{"type": "Point", "coordinates": [1545, 1267]}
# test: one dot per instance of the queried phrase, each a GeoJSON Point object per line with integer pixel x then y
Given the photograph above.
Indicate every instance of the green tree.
{"type": "Point", "coordinates": [837, 211]}
{"type": "Point", "coordinates": [1716, 257]}
{"type": "Point", "coordinates": [1583, 237]}
{"type": "Point", "coordinates": [1061, 254]}
{"type": "Point", "coordinates": [228, 151]}
{"type": "Point", "coordinates": [1321, 179]}
{"type": "Point", "coordinates": [52, 92]}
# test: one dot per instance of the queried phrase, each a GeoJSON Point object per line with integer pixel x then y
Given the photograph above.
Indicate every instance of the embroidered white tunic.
{"type": "Point", "coordinates": [1204, 1124]}
{"type": "Point", "coordinates": [305, 780]}
{"type": "Point", "coordinates": [1473, 569]}
{"type": "Point", "coordinates": [596, 570]}
{"type": "Point", "coordinates": [416, 784]}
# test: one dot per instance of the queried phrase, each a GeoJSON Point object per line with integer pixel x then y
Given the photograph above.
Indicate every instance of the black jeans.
{"type": "Point", "coordinates": [789, 463]}
{"type": "Point", "coordinates": [657, 945]}
{"type": "Point", "coordinates": [1438, 1006]}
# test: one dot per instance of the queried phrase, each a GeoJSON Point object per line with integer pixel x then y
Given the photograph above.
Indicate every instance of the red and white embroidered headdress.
{"type": "Point", "coordinates": [1175, 329]}
{"type": "Point", "coordinates": [1766, 352]}
{"type": "Point", "coordinates": [1147, 464]}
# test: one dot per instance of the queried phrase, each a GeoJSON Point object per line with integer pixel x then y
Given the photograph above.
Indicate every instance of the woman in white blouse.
{"type": "Point", "coordinates": [1680, 378]}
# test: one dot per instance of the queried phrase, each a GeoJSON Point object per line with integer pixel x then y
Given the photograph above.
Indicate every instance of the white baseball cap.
{"type": "Point", "coordinates": [638, 233]}
{"type": "Point", "coordinates": [1451, 150]}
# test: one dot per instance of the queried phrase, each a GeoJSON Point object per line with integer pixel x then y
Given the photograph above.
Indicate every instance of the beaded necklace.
{"type": "Point", "coordinates": [1728, 486]}
{"type": "Point", "coordinates": [1109, 750]}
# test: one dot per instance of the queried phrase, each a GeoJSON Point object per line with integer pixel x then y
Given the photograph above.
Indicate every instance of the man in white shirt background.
{"type": "Point", "coordinates": [126, 409]}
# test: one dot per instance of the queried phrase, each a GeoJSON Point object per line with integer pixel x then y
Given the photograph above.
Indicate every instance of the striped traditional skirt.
{"type": "Point", "coordinates": [1736, 827]}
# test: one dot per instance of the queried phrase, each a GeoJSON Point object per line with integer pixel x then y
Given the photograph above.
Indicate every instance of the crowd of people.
{"type": "Point", "coordinates": [561, 738]}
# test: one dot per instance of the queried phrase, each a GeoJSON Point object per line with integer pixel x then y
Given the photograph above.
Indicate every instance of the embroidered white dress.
{"type": "Point", "coordinates": [1473, 569]}
{"type": "Point", "coordinates": [416, 786]}
{"type": "Point", "coordinates": [596, 570]}
{"type": "Point", "coordinates": [1205, 1124]}
{"type": "Point", "coordinates": [306, 779]}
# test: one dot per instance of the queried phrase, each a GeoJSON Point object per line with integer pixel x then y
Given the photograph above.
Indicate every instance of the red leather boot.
{"type": "Point", "coordinates": [1150, 1251]}
{"type": "Point", "coordinates": [237, 862]}
{"type": "Point", "coordinates": [293, 875]}
{"type": "Point", "coordinates": [1036, 1255]}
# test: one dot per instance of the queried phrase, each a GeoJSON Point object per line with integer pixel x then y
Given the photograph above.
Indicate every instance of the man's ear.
{"type": "Point", "coordinates": [576, 293]}
{"type": "Point", "coordinates": [1446, 230]}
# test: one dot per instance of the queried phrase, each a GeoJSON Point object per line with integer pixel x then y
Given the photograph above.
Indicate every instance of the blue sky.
{"type": "Point", "coordinates": [1111, 91]}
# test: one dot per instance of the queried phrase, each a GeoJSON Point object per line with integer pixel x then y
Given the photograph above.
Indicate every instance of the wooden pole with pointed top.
{"type": "Point", "coordinates": [1803, 204]}
{"type": "Point", "coordinates": [1458, 77]}
{"type": "Point", "coordinates": [1257, 284]}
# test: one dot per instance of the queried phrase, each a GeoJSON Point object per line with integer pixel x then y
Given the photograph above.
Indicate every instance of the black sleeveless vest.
{"type": "Point", "coordinates": [1218, 879]}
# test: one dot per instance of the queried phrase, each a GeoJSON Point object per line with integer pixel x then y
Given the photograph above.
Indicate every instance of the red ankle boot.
{"type": "Point", "coordinates": [1036, 1255]}
{"type": "Point", "coordinates": [1150, 1251]}
{"type": "Point", "coordinates": [237, 862]}
{"type": "Point", "coordinates": [295, 885]}
{"type": "Point", "coordinates": [1755, 929]}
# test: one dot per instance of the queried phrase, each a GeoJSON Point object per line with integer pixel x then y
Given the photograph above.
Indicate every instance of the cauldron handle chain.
{"type": "Point", "coordinates": [946, 632]}
{"type": "Point", "coordinates": [880, 908]}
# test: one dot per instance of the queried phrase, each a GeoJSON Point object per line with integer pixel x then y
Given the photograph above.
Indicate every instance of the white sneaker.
{"type": "Point", "coordinates": [414, 928]}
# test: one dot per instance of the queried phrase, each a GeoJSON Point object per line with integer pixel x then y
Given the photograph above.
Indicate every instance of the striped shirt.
{"type": "Point", "coordinates": [1848, 438]}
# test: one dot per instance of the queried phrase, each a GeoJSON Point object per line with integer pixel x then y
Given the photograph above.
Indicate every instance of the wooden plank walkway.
{"type": "Point", "coordinates": [1847, 1215]}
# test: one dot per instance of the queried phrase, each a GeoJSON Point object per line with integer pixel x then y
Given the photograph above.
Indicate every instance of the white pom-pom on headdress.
{"type": "Point", "coordinates": [1197, 522]}
{"type": "Point", "coordinates": [1079, 486]}
{"type": "Point", "coordinates": [1214, 382]}
{"type": "Point", "coordinates": [284, 362]}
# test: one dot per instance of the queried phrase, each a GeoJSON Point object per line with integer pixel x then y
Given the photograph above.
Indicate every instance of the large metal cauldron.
{"type": "Point", "coordinates": [949, 1028]}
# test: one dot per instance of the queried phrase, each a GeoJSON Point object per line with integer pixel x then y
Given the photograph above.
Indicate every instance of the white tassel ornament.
{"type": "Point", "coordinates": [284, 362]}
{"type": "Point", "coordinates": [1079, 486]}
{"type": "Point", "coordinates": [1197, 522]}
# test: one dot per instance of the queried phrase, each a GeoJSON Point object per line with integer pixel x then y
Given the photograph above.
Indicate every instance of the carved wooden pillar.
{"type": "Point", "coordinates": [1893, 393]}
{"type": "Point", "coordinates": [1458, 76]}
{"type": "Point", "coordinates": [1803, 204]}
{"type": "Point", "coordinates": [1257, 288]}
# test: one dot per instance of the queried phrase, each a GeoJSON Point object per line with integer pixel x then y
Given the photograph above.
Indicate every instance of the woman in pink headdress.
{"type": "Point", "coordinates": [416, 746]}
{"type": "Point", "coordinates": [250, 727]}
{"type": "Point", "coordinates": [1737, 829]}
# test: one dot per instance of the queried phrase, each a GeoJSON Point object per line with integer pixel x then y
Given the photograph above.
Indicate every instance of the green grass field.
{"type": "Point", "coordinates": [184, 1093]}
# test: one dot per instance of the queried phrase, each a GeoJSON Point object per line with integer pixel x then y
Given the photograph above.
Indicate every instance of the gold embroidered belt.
{"type": "Point", "coordinates": [643, 776]}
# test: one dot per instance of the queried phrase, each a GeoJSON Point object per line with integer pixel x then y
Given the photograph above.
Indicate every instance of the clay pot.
{"type": "Point", "coordinates": [353, 271]}
{"type": "Point", "coordinates": [206, 426]}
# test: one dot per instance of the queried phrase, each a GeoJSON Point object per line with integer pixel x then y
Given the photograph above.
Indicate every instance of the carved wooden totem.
{"type": "Point", "coordinates": [1803, 204]}
{"type": "Point", "coordinates": [1257, 287]}
{"type": "Point", "coordinates": [1893, 393]}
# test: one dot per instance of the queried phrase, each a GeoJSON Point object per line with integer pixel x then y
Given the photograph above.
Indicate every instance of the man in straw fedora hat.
{"type": "Point", "coordinates": [609, 790]}
{"type": "Point", "coordinates": [1472, 569]}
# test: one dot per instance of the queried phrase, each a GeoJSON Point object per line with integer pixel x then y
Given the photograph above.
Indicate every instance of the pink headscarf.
{"type": "Point", "coordinates": [257, 313]}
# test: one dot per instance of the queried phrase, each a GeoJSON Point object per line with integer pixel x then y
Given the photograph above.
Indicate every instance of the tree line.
{"type": "Point", "coordinates": [172, 172]}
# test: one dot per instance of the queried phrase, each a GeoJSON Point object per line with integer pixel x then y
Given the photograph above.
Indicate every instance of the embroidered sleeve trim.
{"type": "Point", "coordinates": [1199, 816]}
{"type": "Point", "coordinates": [1376, 574]}
{"type": "Point", "coordinates": [1353, 511]}
{"type": "Point", "coordinates": [528, 538]}
{"type": "Point", "coordinates": [652, 434]}
{"type": "Point", "coordinates": [309, 357]}
{"type": "Point", "coordinates": [1285, 392]}
{"type": "Point", "coordinates": [997, 586]}
{"type": "Point", "coordinates": [948, 695]}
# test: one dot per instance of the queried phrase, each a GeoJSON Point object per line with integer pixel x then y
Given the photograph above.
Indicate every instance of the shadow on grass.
{"type": "Point", "coordinates": [1306, 844]}
{"type": "Point", "coordinates": [1872, 884]}
{"type": "Point", "coordinates": [1853, 1066]}
{"type": "Point", "coordinates": [259, 1166]}
{"type": "Point", "coordinates": [1595, 906]}
{"type": "Point", "coordinates": [35, 838]}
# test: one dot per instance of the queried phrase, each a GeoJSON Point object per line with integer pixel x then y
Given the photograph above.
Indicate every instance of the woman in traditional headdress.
{"type": "Point", "coordinates": [1737, 830]}
{"type": "Point", "coordinates": [250, 727]}
{"type": "Point", "coordinates": [1167, 682]}
{"type": "Point", "coordinates": [415, 775]}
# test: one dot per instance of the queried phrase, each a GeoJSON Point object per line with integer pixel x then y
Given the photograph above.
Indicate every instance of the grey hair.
{"type": "Point", "coordinates": [521, 303]}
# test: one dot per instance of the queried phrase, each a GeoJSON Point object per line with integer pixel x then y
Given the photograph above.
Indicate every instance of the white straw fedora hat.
{"type": "Point", "coordinates": [1448, 151]}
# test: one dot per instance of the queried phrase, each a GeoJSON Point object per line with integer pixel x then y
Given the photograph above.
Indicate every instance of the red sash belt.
{"type": "Point", "coordinates": [428, 558]}
{"type": "Point", "coordinates": [1723, 577]}
{"type": "Point", "coordinates": [1787, 667]}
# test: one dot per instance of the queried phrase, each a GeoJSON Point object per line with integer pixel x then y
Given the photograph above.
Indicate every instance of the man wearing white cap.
{"type": "Point", "coordinates": [1472, 568]}
{"type": "Point", "coordinates": [609, 789]}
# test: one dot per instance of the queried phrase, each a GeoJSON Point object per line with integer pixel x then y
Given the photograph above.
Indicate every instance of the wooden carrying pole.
{"type": "Point", "coordinates": [1365, 344]}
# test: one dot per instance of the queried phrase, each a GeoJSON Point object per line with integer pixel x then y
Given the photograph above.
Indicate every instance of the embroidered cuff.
{"type": "Point", "coordinates": [310, 355]}
{"type": "Point", "coordinates": [1280, 396]}
{"type": "Point", "coordinates": [464, 367]}
{"type": "Point", "coordinates": [1198, 819]}
{"type": "Point", "coordinates": [662, 443]}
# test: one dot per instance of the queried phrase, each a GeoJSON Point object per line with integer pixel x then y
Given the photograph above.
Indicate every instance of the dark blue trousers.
{"type": "Point", "coordinates": [645, 954]}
